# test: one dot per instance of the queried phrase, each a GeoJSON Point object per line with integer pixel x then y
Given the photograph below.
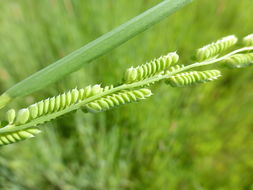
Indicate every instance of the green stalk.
{"type": "Point", "coordinates": [212, 61]}
{"type": "Point", "coordinates": [91, 51]}
{"type": "Point", "coordinates": [139, 84]}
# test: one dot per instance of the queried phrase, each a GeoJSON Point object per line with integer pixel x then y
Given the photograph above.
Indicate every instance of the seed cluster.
{"type": "Point", "coordinates": [117, 99]}
{"type": "Point", "coordinates": [215, 48]}
{"type": "Point", "coordinates": [151, 68]}
{"type": "Point", "coordinates": [53, 104]}
{"type": "Point", "coordinates": [12, 137]}
{"type": "Point", "coordinates": [194, 77]}
{"type": "Point", "coordinates": [239, 60]}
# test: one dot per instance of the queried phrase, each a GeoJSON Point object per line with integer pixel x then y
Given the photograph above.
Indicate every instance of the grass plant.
{"type": "Point", "coordinates": [199, 137]}
{"type": "Point", "coordinates": [133, 88]}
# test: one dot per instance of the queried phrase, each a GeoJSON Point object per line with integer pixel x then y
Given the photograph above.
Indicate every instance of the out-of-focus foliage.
{"type": "Point", "coordinates": [186, 138]}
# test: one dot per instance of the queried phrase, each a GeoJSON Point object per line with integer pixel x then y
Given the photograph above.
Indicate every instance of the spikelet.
{"type": "Point", "coordinates": [11, 114]}
{"type": "Point", "coordinates": [193, 77]}
{"type": "Point", "coordinates": [248, 40]}
{"type": "Point", "coordinates": [175, 68]}
{"type": "Point", "coordinates": [12, 137]}
{"type": "Point", "coordinates": [151, 68]}
{"type": "Point", "coordinates": [53, 104]}
{"type": "Point", "coordinates": [106, 88]}
{"type": "Point", "coordinates": [239, 60]}
{"type": "Point", "coordinates": [121, 98]}
{"type": "Point", "coordinates": [22, 116]}
{"type": "Point", "coordinates": [215, 48]}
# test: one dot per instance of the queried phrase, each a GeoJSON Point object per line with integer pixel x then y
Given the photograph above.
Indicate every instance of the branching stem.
{"type": "Point", "coordinates": [156, 78]}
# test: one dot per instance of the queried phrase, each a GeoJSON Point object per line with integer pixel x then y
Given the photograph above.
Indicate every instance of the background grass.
{"type": "Point", "coordinates": [184, 138]}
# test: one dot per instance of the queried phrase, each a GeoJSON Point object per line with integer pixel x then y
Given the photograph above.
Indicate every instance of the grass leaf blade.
{"type": "Point", "coordinates": [91, 51]}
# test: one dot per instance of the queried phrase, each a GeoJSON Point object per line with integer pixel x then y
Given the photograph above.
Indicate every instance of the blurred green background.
{"type": "Point", "coordinates": [183, 138]}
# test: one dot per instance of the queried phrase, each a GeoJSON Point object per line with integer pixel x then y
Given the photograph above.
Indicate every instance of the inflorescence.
{"type": "Point", "coordinates": [25, 123]}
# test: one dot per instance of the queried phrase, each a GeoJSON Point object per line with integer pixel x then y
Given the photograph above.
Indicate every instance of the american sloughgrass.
{"type": "Point", "coordinates": [150, 145]}
{"type": "Point", "coordinates": [135, 87]}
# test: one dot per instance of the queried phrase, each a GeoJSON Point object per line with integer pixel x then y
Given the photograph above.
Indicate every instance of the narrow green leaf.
{"type": "Point", "coordinates": [91, 51]}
